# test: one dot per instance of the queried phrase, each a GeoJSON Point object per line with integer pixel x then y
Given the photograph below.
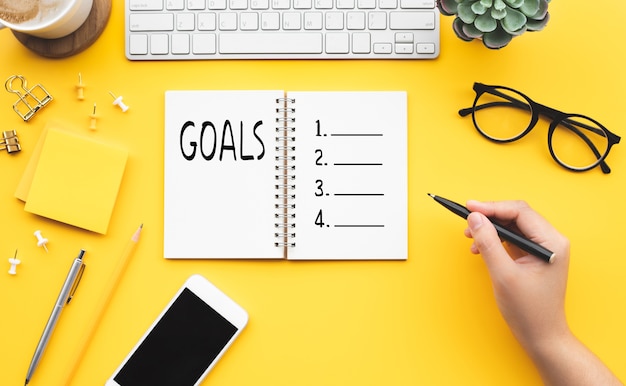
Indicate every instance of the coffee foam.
{"type": "Point", "coordinates": [16, 12]}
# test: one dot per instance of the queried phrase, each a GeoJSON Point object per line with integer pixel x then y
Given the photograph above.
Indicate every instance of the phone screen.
{"type": "Point", "coordinates": [181, 346]}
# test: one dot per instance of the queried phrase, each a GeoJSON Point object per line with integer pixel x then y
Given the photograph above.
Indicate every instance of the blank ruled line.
{"type": "Point", "coordinates": [359, 226]}
{"type": "Point", "coordinates": [356, 164]}
{"type": "Point", "coordinates": [359, 194]}
{"type": "Point", "coordinates": [355, 135]}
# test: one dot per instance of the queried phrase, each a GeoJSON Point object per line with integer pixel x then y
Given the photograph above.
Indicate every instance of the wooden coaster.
{"type": "Point", "coordinates": [75, 42]}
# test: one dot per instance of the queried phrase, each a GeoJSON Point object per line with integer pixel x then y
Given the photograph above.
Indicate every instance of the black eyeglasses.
{"type": "Point", "coordinates": [576, 142]}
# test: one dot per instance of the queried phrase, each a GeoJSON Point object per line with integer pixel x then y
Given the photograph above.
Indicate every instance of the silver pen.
{"type": "Point", "coordinates": [67, 293]}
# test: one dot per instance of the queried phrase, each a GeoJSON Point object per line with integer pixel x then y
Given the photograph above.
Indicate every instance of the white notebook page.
{"type": "Point", "coordinates": [220, 208]}
{"type": "Point", "coordinates": [351, 167]}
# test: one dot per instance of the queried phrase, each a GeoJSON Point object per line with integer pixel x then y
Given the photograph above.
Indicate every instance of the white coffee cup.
{"type": "Point", "coordinates": [55, 19]}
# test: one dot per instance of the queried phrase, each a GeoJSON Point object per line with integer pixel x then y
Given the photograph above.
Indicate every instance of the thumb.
{"type": "Point", "coordinates": [487, 242]}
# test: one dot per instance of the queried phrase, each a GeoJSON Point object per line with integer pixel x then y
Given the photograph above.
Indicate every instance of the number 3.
{"type": "Point", "coordinates": [320, 191]}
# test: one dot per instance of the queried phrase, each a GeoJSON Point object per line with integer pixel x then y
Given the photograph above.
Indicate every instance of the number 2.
{"type": "Point", "coordinates": [318, 161]}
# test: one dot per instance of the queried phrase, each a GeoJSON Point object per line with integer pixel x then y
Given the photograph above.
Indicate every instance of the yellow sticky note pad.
{"type": "Point", "coordinates": [76, 180]}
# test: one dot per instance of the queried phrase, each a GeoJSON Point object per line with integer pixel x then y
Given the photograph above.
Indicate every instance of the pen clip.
{"type": "Point", "coordinates": [76, 283]}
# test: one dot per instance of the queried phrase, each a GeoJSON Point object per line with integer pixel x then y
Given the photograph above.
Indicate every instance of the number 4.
{"type": "Point", "coordinates": [319, 220]}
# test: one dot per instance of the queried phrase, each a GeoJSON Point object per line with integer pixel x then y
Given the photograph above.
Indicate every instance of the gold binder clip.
{"type": "Point", "coordinates": [9, 142]}
{"type": "Point", "coordinates": [30, 100]}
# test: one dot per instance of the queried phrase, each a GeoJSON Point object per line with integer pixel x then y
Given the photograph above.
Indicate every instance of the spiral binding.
{"type": "Point", "coordinates": [285, 174]}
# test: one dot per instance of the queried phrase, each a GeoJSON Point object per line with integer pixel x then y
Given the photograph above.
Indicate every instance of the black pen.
{"type": "Point", "coordinates": [65, 296]}
{"type": "Point", "coordinates": [505, 234]}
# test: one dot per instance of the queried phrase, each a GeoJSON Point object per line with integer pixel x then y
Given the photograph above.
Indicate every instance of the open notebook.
{"type": "Point", "coordinates": [297, 175]}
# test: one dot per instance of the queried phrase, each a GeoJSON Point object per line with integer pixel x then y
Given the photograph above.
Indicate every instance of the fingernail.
{"type": "Point", "coordinates": [475, 221]}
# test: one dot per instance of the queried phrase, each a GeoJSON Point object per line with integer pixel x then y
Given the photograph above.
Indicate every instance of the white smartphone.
{"type": "Point", "coordinates": [185, 341]}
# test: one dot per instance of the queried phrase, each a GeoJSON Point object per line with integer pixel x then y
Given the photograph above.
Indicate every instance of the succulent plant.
{"type": "Point", "coordinates": [496, 22]}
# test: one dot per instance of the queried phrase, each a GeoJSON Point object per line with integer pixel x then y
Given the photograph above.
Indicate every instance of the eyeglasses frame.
{"type": "Point", "coordinates": [537, 109]}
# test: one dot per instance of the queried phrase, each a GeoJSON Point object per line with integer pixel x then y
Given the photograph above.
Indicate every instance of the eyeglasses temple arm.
{"type": "Point", "coordinates": [465, 112]}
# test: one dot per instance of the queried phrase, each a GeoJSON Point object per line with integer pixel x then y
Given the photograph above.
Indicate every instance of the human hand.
{"type": "Point", "coordinates": [530, 293]}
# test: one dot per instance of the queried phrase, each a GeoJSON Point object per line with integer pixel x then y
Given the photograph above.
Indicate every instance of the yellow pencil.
{"type": "Point", "coordinates": [104, 302]}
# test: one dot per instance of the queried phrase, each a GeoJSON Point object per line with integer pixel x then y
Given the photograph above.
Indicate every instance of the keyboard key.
{"type": "Point", "coordinates": [281, 4]}
{"type": "Point", "coordinates": [180, 44]}
{"type": "Point", "coordinates": [217, 4]}
{"type": "Point", "coordinates": [175, 5]}
{"type": "Point", "coordinates": [227, 21]}
{"type": "Point", "coordinates": [249, 21]}
{"type": "Point", "coordinates": [323, 4]}
{"type": "Point", "coordinates": [414, 4]}
{"type": "Point", "coordinates": [138, 44]}
{"type": "Point", "coordinates": [151, 22]}
{"type": "Point", "coordinates": [259, 4]}
{"type": "Point", "coordinates": [159, 44]}
{"type": "Point", "coordinates": [196, 5]}
{"type": "Point", "coordinates": [274, 43]}
{"type": "Point", "coordinates": [207, 21]}
{"type": "Point", "coordinates": [345, 4]}
{"type": "Point", "coordinates": [404, 48]}
{"type": "Point", "coordinates": [404, 37]}
{"type": "Point", "coordinates": [366, 4]}
{"type": "Point", "coordinates": [425, 48]}
{"type": "Point", "coordinates": [355, 20]}
{"type": "Point", "coordinates": [203, 44]}
{"type": "Point", "coordinates": [291, 21]}
{"type": "Point", "coordinates": [313, 21]}
{"type": "Point", "coordinates": [382, 48]}
{"type": "Point", "coordinates": [270, 21]}
{"type": "Point", "coordinates": [377, 20]}
{"type": "Point", "coordinates": [302, 4]}
{"type": "Point", "coordinates": [361, 43]}
{"type": "Point", "coordinates": [238, 4]}
{"type": "Point", "coordinates": [185, 21]}
{"type": "Point", "coordinates": [334, 20]}
{"type": "Point", "coordinates": [337, 43]}
{"type": "Point", "coordinates": [388, 4]}
{"type": "Point", "coordinates": [411, 20]}
{"type": "Point", "coordinates": [145, 5]}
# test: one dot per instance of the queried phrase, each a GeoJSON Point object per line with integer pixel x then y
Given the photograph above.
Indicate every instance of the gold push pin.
{"type": "Point", "coordinates": [118, 102]}
{"type": "Point", "coordinates": [80, 88]}
{"type": "Point", "coordinates": [30, 100]}
{"type": "Point", "coordinates": [94, 118]}
{"type": "Point", "coordinates": [10, 142]}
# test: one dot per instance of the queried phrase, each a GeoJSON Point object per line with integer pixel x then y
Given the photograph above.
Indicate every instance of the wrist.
{"type": "Point", "coordinates": [548, 345]}
{"type": "Point", "coordinates": [542, 337]}
{"type": "Point", "coordinates": [563, 360]}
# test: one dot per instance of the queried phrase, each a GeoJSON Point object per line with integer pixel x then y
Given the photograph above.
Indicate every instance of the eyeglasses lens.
{"type": "Point", "coordinates": [502, 115]}
{"type": "Point", "coordinates": [579, 143]}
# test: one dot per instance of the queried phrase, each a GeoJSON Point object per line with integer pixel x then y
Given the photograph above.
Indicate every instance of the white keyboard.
{"type": "Point", "coordinates": [281, 29]}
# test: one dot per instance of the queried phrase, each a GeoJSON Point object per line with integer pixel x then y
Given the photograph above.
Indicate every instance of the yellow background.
{"type": "Point", "coordinates": [428, 321]}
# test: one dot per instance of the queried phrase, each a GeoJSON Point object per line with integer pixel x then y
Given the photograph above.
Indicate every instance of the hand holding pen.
{"type": "Point", "coordinates": [65, 296]}
{"type": "Point", "coordinates": [507, 235]}
{"type": "Point", "coordinates": [531, 294]}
